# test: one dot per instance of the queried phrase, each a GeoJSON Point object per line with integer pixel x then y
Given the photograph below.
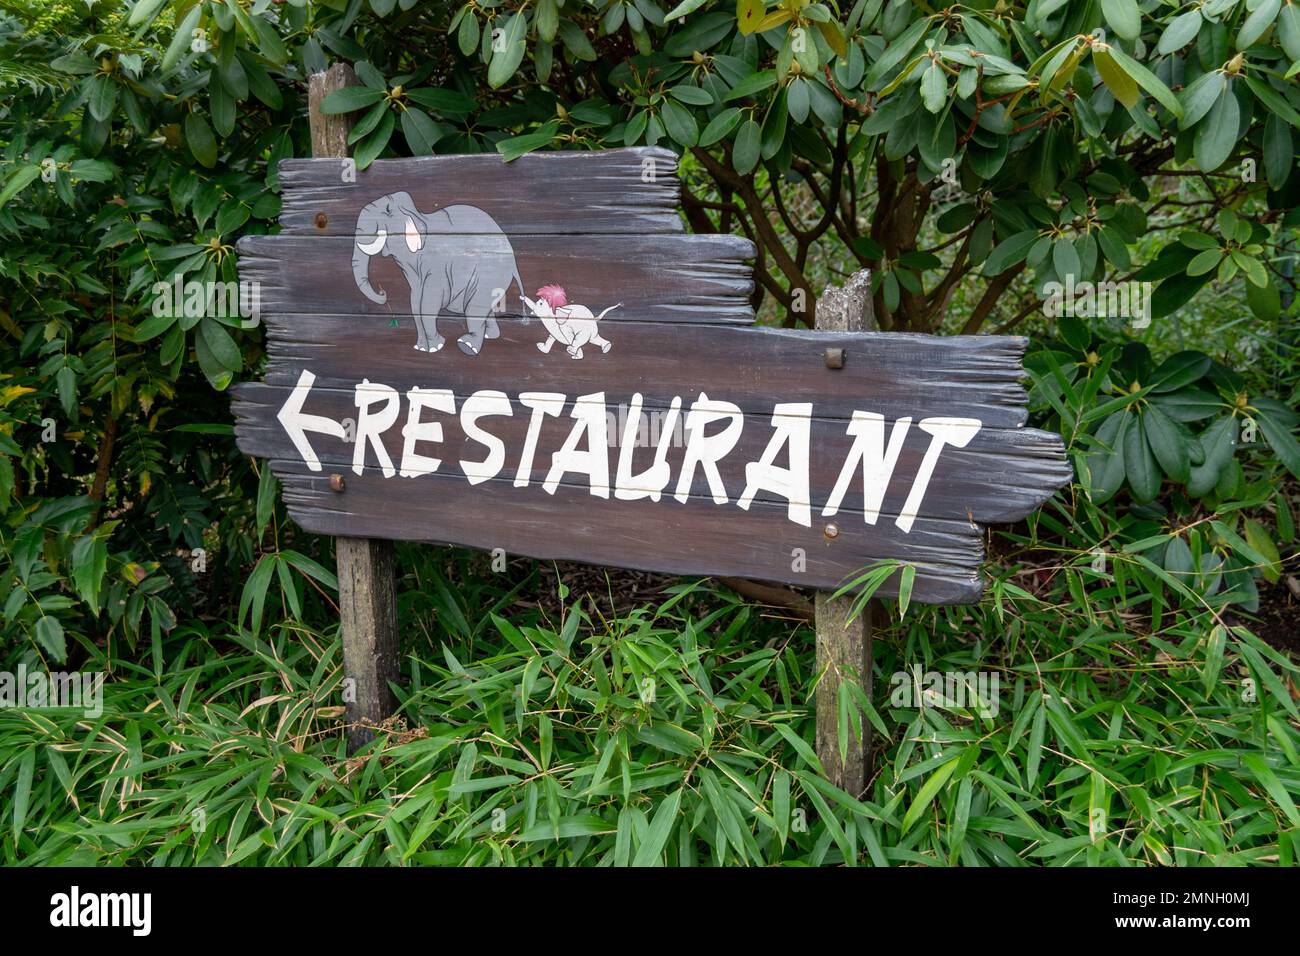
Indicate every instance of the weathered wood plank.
{"type": "Point", "coordinates": [1002, 474]}
{"type": "Point", "coordinates": [843, 637]}
{"type": "Point", "coordinates": [633, 191]}
{"type": "Point", "coordinates": [698, 537]}
{"type": "Point", "coordinates": [893, 374]}
{"type": "Point", "coordinates": [368, 625]}
{"type": "Point", "coordinates": [367, 593]}
{"type": "Point", "coordinates": [660, 278]}
{"type": "Point", "coordinates": [825, 451]}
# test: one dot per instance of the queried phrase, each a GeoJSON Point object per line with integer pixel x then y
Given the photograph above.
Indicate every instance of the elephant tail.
{"type": "Point", "coordinates": [618, 305]}
{"type": "Point", "coordinates": [527, 317]}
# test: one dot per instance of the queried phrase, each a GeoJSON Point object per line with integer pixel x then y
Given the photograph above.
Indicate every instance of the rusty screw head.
{"type": "Point", "coordinates": [834, 358]}
{"type": "Point", "coordinates": [337, 484]}
{"type": "Point", "coordinates": [322, 220]}
{"type": "Point", "coordinates": [832, 531]}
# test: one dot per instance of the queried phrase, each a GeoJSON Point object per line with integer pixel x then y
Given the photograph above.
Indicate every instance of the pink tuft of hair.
{"type": "Point", "coordinates": [553, 295]}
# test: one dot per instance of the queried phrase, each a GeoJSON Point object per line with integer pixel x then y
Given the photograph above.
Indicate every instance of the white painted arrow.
{"type": "Point", "coordinates": [297, 423]}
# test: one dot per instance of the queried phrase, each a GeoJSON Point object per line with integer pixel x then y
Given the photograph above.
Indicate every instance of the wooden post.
{"type": "Point", "coordinates": [367, 592]}
{"type": "Point", "coordinates": [843, 644]}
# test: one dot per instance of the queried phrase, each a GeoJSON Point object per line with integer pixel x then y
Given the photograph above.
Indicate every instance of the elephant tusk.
{"type": "Point", "coordinates": [370, 248]}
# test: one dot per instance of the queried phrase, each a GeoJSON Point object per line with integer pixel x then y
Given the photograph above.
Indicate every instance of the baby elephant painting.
{"type": "Point", "coordinates": [572, 325]}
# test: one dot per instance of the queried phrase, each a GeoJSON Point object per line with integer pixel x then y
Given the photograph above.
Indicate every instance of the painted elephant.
{"type": "Point", "coordinates": [456, 260]}
{"type": "Point", "coordinates": [567, 322]}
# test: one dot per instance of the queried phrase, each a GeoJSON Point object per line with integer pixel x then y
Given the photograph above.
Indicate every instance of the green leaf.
{"type": "Point", "coordinates": [566, 828]}
{"type": "Point", "coordinates": [679, 123]}
{"type": "Point", "coordinates": [1216, 136]}
{"type": "Point", "coordinates": [905, 581]}
{"type": "Point", "coordinates": [1266, 778]}
{"type": "Point", "coordinates": [467, 35]}
{"type": "Point", "coordinates": [576, 42]}
{"type": "Point", "coordinates": [200, 139]}
{"type": "Point", "coordinates": [744, 154]}
{"type": "Point", "coordinates": [1167, 443]}
{"type": "Point", "coordinates": [1065, 259]}
{"type": "Point", "coordinates": [443, 101]}
{"type": "Point", "coordinates": [1147, 80]}
{"type": "Point", "coordinates": [20, 180]}
{"type": "Point", "coordinates": [144, 11]}
{"type": "Point", "coordinates": [691, 95]}
{"type": "Point", "coordinates": [1199, 98]}
{"type": "Point", "coordinates": [1122, 15]}
{"type": "Point", "coordinates": [49, 634]}
{"type": "Point", "coordinates": [661, 826]}
{"type": "Point", "coordinates": [1260, 19]}
{"type": "Point", "coordinates": [1140, 462]}
{"type": "Point", "coordinates": [368, 149]}
{"type": "Point", "coordinates": [683, 8]}
{"type": "Point", "coordinates": [1218, 443]}
{"type": "Point", "coordinates": [266, 489]}
{"type": "Point", "coordinates": [89, 562]}
{"type": "Point", "coordinates": [508, 51]}
{"type": "Point", "coordinates": [1179, 370]}
{"type": "Point", "coordinates": [1181, 31]}
{"type": "Point", "coordinates": [103, 97]}
{"type": "Point", "coordinates": [1263, 545]}
{"type": "Point", "coordinates": [934, 87]}
{"type": "Point", "coordinates": [182, 37]}
{"type": "Point", "coordinates": [1273, 100]}
{"type": "Point", "coordinates": [350, 99]}
{"type": "Point", "coordinates": [1266, 301]}
{"type": "Point", "coordinates": [921, 803]}
{"type": "Point", "coordinates": [774, 126]}
{"type": "Point", "coordinates": [1009, 252]}
{"type": "Point", "coordinates": [23, 791]}
{"type": "Point", "coordinates": [1278, 151]}
{"type": "Point", "coordinates": [720, 126]}
{"type": "Point", "coordinates": [1117, 81]}
{"type": "Point", "coordinates": [1278, 434]}
{"type": "Point", "coordinates": [421, 131]}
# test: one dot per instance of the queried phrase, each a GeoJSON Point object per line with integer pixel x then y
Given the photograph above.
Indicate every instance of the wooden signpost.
{"type": "Point", "coordinates": [535, 357]}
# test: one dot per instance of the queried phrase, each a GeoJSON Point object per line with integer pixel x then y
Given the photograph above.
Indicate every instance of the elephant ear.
{"type": "Point", "coordinates": [414, 241]}
{"type": "Point", "coordinates": [414, 238]}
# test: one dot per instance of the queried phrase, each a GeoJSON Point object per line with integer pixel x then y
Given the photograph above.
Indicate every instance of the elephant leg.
{"type": "Point", "coordinates": [575, 351]}
{"type": "Point", "coordinates": [545, 347]}
{"type": "Point", "coordinates": [602, 342]}
{"type": "Point", "coordinates": [434, 341]}
{"type": "Point", "coordinates": [426, 320]}
{"type": "Point", "coordinates": [417, 312]}
{"type": "Point", "coordinates": [479, 301]}
{"type": "Point", "coordinates": [491, 329]}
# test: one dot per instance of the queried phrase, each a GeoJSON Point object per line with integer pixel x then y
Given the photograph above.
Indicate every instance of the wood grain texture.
{"type": "Point", "coordinates": [368, 624]}
{"type": "Point", "coordinates": [660, 278]}
{"type": "Point", "coordinates": [632, 191]}
{"type": "Point", "coordinates": [351, 291]}
{"type": "Point", "coordinates": [843, 631]}
{"type": "Point", "coordinates": [999, 476]}
{"type": "Point", "coordinates": [695, 538]}
{"type": "Point", "coordinates": [367, 595]}
{"type": "Point", "coordinates": [894, 374]}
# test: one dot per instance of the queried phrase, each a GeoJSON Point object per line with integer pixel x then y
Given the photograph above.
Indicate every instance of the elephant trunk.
{"type": "Point", "coordinates": [365, 248]}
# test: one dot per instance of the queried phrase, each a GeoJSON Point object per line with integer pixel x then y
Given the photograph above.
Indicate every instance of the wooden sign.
{"type": "Point", "coordinates": [535, 357]}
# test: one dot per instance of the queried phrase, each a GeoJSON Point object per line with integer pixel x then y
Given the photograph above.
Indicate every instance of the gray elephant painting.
{"type": "Point", "coordinates": [457, 260]}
